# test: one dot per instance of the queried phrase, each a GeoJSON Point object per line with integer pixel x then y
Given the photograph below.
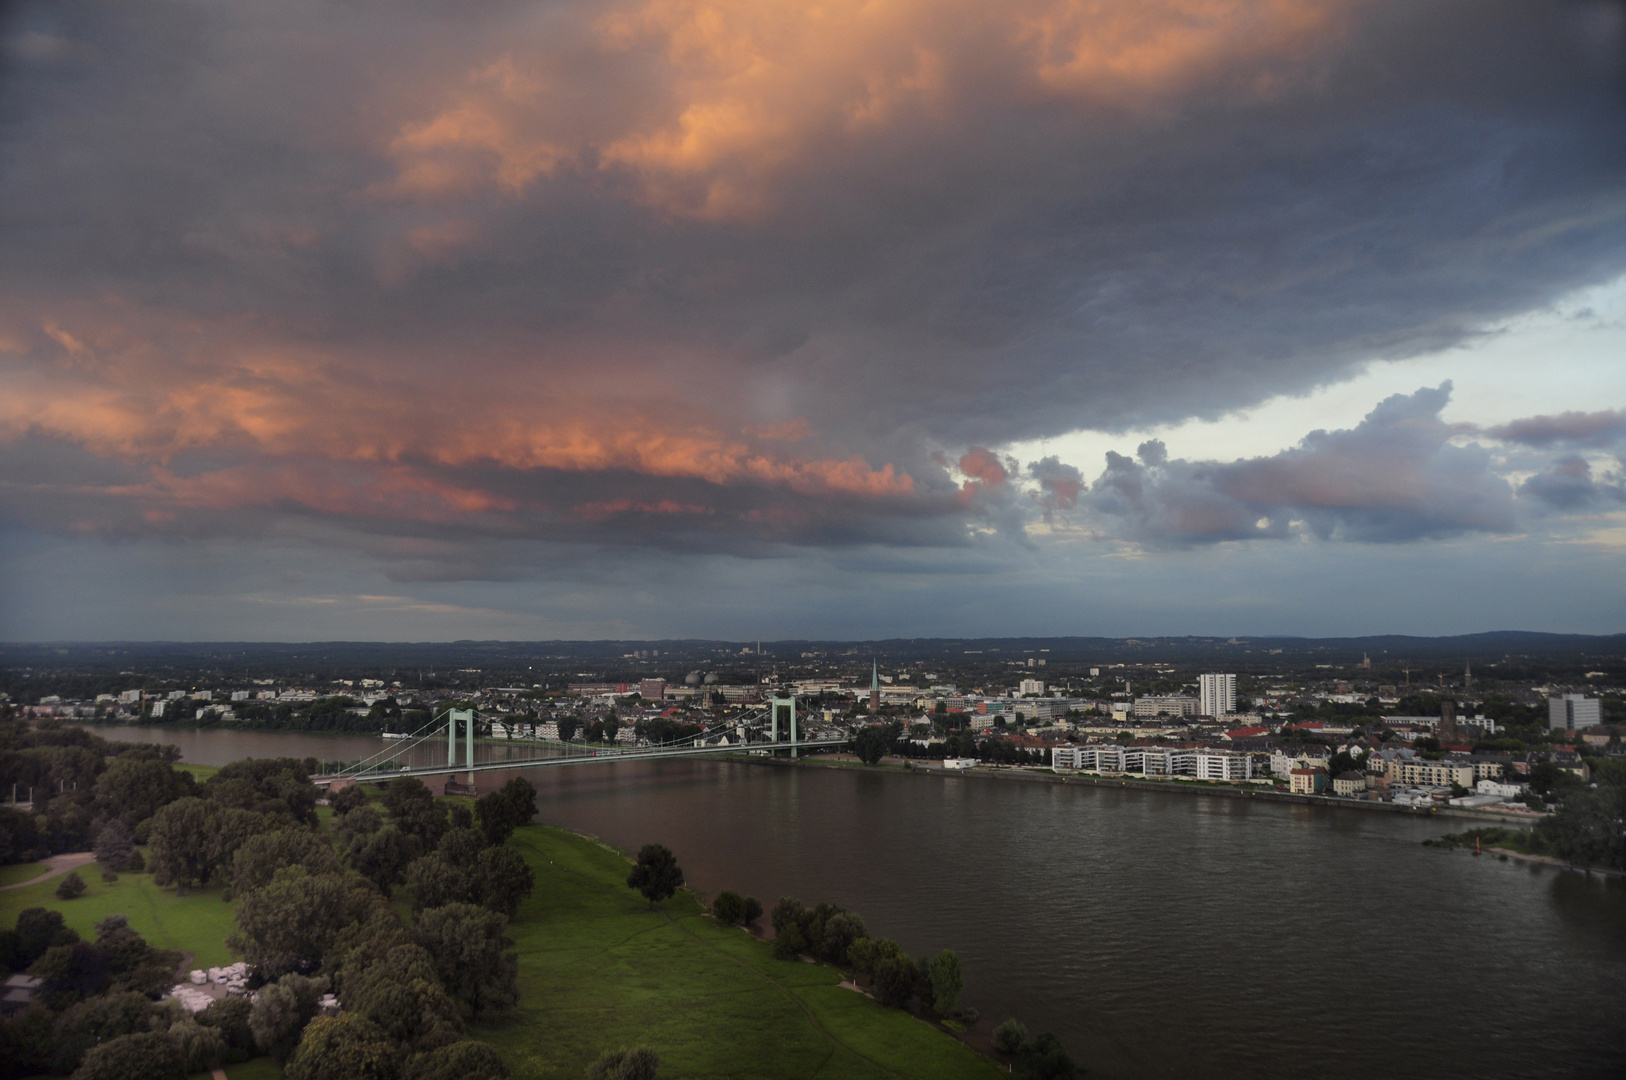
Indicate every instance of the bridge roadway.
{"type": "Point", "coordinates": [601, 757]}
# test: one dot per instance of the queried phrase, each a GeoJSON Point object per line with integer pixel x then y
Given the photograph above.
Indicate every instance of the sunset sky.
{"type": "Point", "coordinates": [726, 318]}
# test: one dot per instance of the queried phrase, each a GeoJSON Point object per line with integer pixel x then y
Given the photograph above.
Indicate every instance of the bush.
{"type": "Point", "coordinates": [72, 886]}
{"type": "Point", "coordinates": [728, 908]}
{"type": "Point", "coordinates": [753, 910]}
{"type": "Point", "coordinates": [1010, 1037]}
{"type": "Point", "coordinates": [109, 876]}
{"type": "Point", "coordinates": [947, 980]}
{"type": "Point", "coordinates": [634, 1063]}
{"type": "Point", "coordinates": [135, 864]}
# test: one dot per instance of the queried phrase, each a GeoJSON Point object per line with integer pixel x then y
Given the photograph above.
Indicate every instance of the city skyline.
{"type": "Point", "coordinates": [682, 319]}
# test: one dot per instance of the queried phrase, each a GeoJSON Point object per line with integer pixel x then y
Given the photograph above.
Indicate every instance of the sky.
{"type": "Point", "coordinates": [425, 320]}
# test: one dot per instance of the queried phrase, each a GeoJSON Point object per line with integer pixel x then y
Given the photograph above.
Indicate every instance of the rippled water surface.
{"type": "Point", "coordinates": [1160, 935]}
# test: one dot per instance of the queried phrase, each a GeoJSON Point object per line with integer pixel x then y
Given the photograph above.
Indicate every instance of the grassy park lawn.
{"type": "Point", "coordinates": [197, 922]}
{"type": "Point", "coordinates": [20, 872]}
{"type": "Point", "coordinates": [599, 970]}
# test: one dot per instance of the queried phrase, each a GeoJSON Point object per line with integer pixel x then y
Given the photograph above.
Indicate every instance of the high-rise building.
{"type": "Point", "coordinates": [874, 688]}
{"type": "Point", "coordinates": [1572, 712]}
{"type": "Point", "coordinates": [1216, 695]}
{"type": "Point", "coordinates": [1448, 720]}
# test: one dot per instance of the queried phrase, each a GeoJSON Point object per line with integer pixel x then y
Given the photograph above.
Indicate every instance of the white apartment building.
{"type": "Point", "coordinates": [1216, 695]}
{"type": "Point", "coordinates": [1573, 712]}
{"type": "Point", "coordinates": [1153, 761]}
{"type": "Point", "coordinates": [1171, 705]}
{"type": "Point", "coordinates": [1030, 686]}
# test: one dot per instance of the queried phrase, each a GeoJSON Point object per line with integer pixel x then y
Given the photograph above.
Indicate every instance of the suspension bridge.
{"type": "Point", "coordinates": [758, 731]}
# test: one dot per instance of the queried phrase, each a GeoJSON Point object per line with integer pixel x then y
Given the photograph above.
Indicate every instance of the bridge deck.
{"type": "Point", "coordinates": [604, 757]}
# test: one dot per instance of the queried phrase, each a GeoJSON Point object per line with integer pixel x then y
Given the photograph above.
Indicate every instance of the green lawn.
{"type": "Point", "coordinates": [18, 872]}
{"type": "Point", "coordinates": [599, 970]}
{"type": "Point", "coordinates": [260, 1068]}
{"type": "Point", "coordinates": [200, 773]}
{"type": "Point", "coordinates": [197, 922]}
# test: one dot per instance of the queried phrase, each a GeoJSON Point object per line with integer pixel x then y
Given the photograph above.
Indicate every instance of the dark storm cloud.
{"type": "Point", "coordinates": [1396, 476]}
{"type": "Point", "coordinates": [592, 274]}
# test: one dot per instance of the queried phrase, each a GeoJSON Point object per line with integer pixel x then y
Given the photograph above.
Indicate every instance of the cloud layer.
{"type": "Point", "coordinates": [711, 276]}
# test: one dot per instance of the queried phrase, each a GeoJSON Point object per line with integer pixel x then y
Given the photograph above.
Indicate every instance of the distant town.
{"type": "Point", "coordinates": [1504, 734]}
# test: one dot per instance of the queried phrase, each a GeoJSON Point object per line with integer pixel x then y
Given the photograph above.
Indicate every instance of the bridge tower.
{"type": "Point", "coordinates": [774, 705]}
{"type": "Point", "coordinates": [453, 718]}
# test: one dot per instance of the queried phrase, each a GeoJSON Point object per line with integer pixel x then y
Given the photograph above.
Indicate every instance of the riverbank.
{"type": "Point", "coordinates": [599, 969]}
{"type": "Point", "coordinates": [1193, 787]}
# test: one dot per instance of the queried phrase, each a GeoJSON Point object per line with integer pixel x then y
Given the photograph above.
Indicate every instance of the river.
{"type": "Point", "coordinates": [1159, 935]}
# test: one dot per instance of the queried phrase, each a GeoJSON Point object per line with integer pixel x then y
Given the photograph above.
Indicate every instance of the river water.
{"type": "Point", "coordinates": [1160, 935]}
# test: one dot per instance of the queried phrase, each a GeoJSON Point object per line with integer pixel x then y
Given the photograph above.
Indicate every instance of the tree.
{"type": "Point", "coordinates": [259, 857]}
{"type": "Point", "coordinates": [471, 955]}
{"type": "Point", "coordinates": [383, 857]}
{"type": "Point", "coordinates": [132, 789]}
{"type": "Point", "coordinates": [895, 979]}
{"type": "Point", "coordinates": [568, 726]}
{"type": "Point", "coordinates": [72, 886]}
{"type": "Point", "coordinates": [504, 879]}
{"type": "Point", "coordinates": [402, 995]}
{"type": "Point", "coordinates": [789, 943]}
{"type": "Point", "coordinates": [1044, 1058]}
{"type": "Point", "coordinates": [288, 924]}
{"type": "Point", "coordinates": [93, 1021]}
{"type": "Point", "coordinates": [656, 874]}
{"type": "Point", "coordinates": [267, 786]}
{"type": "Point", "coordinates": [840, 931]}
{"type": "Point", "coordinates": [1010, 1037]}
{"type": "Point", "coordinates": [350, 797]}
{"type": "Point", "coordinates": [230, 1017]}
{"type": "Point", "coordinates": [404, 792]}
{"type": "Point", "coordinates": [874, 742]}
{"type": "Point", "coordinates": [501, 812]}
{"type": "Point", "coordinates": [459, 1061]}
{"type": "Point", "coordinates": [753, 910]}
{"type": "Point", "coordinates": [728, 908]}
{"type": "Point", "coordinates": [436, 882]}
{"type": "Point", "coordinates": [115, 843]}
{"type": "Point", "coordinates": [203, 1048]}
{"type": "Point", "coordinates": [344, 1047]}
{"type": "Point", "coordinates": [632, 1063]}
{"type": "Point", "coordinates": [281, 1012]}
{"type": "Point", "coordinates": [947, 980]}
{"type": "Point", "coordinates": [147, 1055]}
{"type": "Point", "coordinates": [182, 840]}
{"type": "Point", "coordinates": [38, 930]}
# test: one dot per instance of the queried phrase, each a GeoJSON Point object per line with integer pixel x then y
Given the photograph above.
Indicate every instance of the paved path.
{"type": "Point", "coordinates": [58, 865]}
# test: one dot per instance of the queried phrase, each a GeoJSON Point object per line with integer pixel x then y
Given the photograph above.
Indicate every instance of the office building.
{"type": "Point", "coordinates": [1572, 712]}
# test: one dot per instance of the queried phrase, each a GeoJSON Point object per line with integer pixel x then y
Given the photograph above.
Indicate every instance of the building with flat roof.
{"type": "Point", "coordinates": [1572, 712]}
{"type": "Point", "coordinates": [1216, 695]}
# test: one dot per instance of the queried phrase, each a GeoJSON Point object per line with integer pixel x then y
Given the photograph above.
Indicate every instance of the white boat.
{"type": "Point", "coordinates": [394, 735]}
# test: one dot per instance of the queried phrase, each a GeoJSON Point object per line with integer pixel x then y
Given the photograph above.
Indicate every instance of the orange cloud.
{"type": "Point", "coordinates": [745, 92]}
{"type": "Point", "coordinates": [348, 432]}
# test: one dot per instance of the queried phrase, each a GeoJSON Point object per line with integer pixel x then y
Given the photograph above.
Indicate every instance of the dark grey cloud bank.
{"type": "Point", "coordinates": [195, 187]}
